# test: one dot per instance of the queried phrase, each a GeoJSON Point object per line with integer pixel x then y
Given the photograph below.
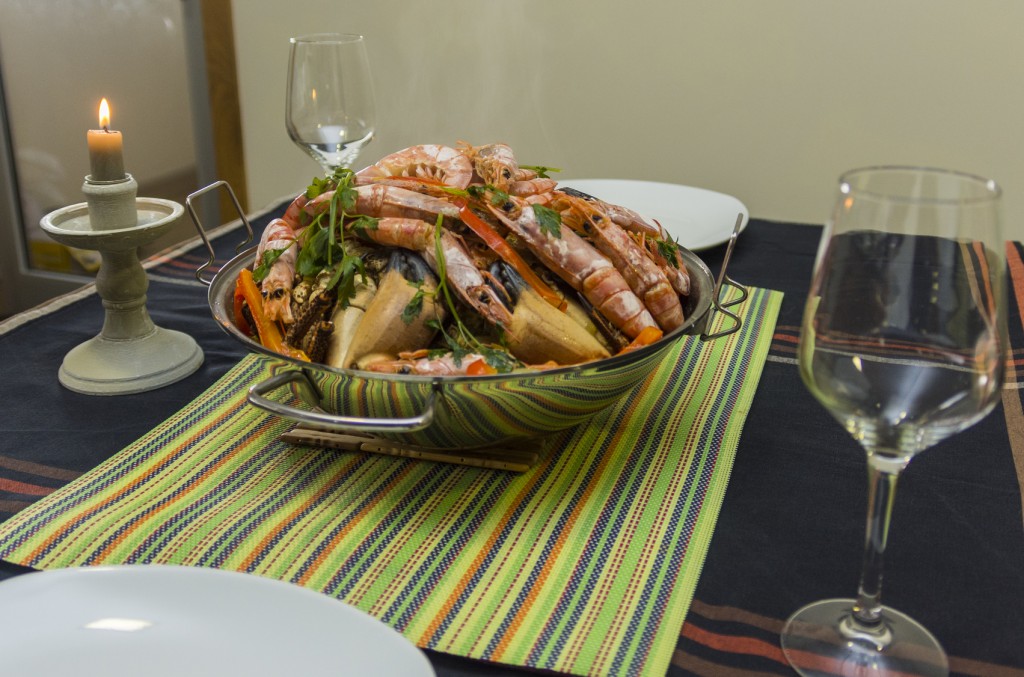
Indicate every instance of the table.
{"type": "Point", "coordinates": [789, 531]}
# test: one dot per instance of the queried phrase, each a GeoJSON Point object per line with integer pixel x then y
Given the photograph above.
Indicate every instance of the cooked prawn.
{"type": "Point", "coordinates": [461, 273]}
{"type": "Point", "coordinates": [380, 200]}
{"type": "Point", "coordinates": [585, 269]}
{"type": "Point", "coordinates": [439, 163]}
{"type": "Point", "coordinates": [644, 276]}
{"type": "Point", "coordinates": [277, 285]}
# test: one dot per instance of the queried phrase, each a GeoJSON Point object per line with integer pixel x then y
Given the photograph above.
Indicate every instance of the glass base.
{"type": "Point", "coordinates": [823, 639]}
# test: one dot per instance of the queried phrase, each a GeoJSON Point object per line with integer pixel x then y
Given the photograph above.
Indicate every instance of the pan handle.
{"type": "Point", "coordinates": [202, 230]}
{"type": "Point", "coordinates": [725, 280]}
{"type": "Point", "coordinates": [323, 420]}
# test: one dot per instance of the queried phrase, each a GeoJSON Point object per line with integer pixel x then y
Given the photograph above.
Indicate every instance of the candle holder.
{"type": "Point", "coordinates": [131, 354]}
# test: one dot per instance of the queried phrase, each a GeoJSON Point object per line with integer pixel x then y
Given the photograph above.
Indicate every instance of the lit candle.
{"type": "Point", "coordinates": [105, 148]}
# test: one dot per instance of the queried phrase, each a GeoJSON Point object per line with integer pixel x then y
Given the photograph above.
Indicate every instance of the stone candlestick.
{"type": "Point", "coordinates": [131, 354]}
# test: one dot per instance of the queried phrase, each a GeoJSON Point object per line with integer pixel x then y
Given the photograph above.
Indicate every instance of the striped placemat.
{"type": "Point", "coordinates": [585, 564]}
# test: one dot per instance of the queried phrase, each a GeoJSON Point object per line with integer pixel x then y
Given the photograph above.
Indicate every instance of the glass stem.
{"type": "Point", "coordinates": [882, 475]}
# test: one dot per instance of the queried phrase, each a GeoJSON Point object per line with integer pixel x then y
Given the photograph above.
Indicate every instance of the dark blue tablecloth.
{"type": "Point", "coordinates": [791, 527]}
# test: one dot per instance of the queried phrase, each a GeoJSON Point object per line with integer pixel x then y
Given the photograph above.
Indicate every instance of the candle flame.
{"type": "Point", "coordinates": [104, 114]}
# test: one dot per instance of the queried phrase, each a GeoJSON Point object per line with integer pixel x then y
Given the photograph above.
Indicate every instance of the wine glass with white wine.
{"type": "Point", "coordinates": [903, 342]}
{"type": "Point", "coordinates": [330, 110]}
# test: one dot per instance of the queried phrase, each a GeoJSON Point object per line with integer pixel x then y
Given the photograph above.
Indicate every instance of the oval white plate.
{"type": "Point", "coordinates": [697, 218]}
{"type": "Point", "coordinates": [178, 620]}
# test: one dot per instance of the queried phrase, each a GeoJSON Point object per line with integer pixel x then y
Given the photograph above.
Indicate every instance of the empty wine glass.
{"type": "Point", "coordinates": [903, 342]}
{"type": "Point", "coordinates": [330, 111]}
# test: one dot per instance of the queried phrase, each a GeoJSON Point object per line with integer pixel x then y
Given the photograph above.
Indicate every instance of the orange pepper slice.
{"type": "Point", "coordinates": [501, 247]}
{"type": "Point", "coordinates": [480, 368]}
{"type": "Point", "coordinates": [267, 330]}
{"type": "Point", "coordinates": [646, 337]}
{"type": "Point", "coordinates": [497, 243]}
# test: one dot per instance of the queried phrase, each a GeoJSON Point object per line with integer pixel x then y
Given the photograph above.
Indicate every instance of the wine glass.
{"type": "Point", "coordinates": [903, 341]}
{"type": "Point", "coordinates": [330, 111]}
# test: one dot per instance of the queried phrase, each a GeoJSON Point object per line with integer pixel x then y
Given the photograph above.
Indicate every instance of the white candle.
{"type": "Point", "coordinates": [105, 149]}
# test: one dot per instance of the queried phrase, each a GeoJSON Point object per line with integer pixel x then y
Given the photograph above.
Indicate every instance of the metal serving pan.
{"type": "Point", "coordinates": [456, 412]}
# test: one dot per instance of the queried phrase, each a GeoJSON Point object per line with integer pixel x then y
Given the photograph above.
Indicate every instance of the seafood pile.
{"type": "Point", "coordinates": [458, 260]}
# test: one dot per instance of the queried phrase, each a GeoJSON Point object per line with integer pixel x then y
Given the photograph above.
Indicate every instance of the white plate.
{"type": "Point", "coordinates": [170, 620]}
{"type": "Point", "coordinates": [697, 218]}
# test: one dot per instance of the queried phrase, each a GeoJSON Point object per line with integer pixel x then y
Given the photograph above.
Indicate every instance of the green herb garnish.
{"type": "Point", "coordinates": [269, 256]}
{"type": "Point", "coordinates": [550, 220]}
{"type": "Point", "coordinates": [542, 171]}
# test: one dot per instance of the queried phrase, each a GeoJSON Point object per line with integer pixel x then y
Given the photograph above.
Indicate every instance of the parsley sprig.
{"type": "Point", "coordinates": [463, 342]}
{"type": "Point", "coordinates": [324, 248]}
{"type": "Point", "coordinates": [542, 171]}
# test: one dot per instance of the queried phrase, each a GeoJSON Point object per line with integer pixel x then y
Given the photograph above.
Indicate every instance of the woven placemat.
{"type": "Point", "coordinates": [584, 564]}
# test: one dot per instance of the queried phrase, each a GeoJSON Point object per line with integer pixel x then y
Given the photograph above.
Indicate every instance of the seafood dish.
{"type": "Point", "coordinates": [441, 260]}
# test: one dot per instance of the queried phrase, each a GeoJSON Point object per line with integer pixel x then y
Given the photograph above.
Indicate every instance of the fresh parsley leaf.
{"type": "Point", "coordinates": [499, 359]}
{"type": "Point", "coordinates": [487, 192]}
{"type": "Point", "coordinates": [362, 224]}
{"type": "Point", "coordinates": [262, 270]}
{"type": "Point", "coordinates": [542, 171]}
{"type": "Point", "coordinates": [669, 250]}
{"type": "Point", "coordinates": [318, 186]}
{"type": "Point", "coordinates": [313, 256]}
{"type": "Point", "coordinates": [344, 278]}
{"type": "Point", "coordinates": [413, 309]}
{"type": "Point", "coordinates": [550, 220]}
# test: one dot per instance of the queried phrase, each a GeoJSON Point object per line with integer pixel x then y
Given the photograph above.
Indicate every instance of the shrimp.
{"type": "Point", "coordinates": [584, 268]}
{"type": "Point", "coordinates": [531, 188]}
{"type": "Point", "coordinates": [293, 215]}
{"type": "Point", "coordinates": [644, 276]}
{"type": "Point", "coordinates": [277, 285]}
{"type": "Point", "coordinates": [465, 278]}
{"type": "Point", "coordinates": [649, 234]}
{"type": "Point", "coordinates": [381, 200]}
{"type": "Point", "coordinates": [495, 165]}
{"type": "Point", "coordinates": [417, 362]}
{"type": "Point", "coordinates": [439, 163]}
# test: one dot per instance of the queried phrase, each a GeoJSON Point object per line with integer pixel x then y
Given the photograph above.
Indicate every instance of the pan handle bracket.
{"type": "Point", "coordinates": [202, 231]}
{"type": "Point", "coordinates": [317, 418]}
{"type": "Point", "coordinates": [725, 281]}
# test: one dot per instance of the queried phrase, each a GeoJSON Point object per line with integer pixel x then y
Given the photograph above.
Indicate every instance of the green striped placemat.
{"type": "Point", "coordinates": [584, 564]}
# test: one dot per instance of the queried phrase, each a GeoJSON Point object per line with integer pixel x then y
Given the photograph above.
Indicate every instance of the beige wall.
{"type": "Point", "coordinates": [765, 100]}
{"type": "Point", "coordinates": [60, 59]}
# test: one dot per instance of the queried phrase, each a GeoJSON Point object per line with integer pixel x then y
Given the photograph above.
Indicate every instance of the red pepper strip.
{"type": "Point", "coordinates": [497, 244]}
{"type": "Point", "coordinates": [480, 368]}
{"type": "Point", "coordinates": [267, 330]}
{"type": "Point", "coordinates": [646, 337]}
{"type": "Point", "coordinates": [239, 300]}
{"type": "Point", "coordinates": [502, 248]}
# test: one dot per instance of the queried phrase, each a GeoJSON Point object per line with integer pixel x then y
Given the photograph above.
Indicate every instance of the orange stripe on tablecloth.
{"type": "Point", "coordinates": [1016, 266]}
{"type": "Point", "coordinates": [966, 666]}
{"type": "Point", "coordinates": [16, 487]}
{"type": "Point", "coordinates": [343, 532]}
{"type": "Point", "coordinates": [958, 665]}
{"type": "Point", "coordinates": [990, 299]}
{"type": "Point", "coordinates": [747, 646]}
{"type": "Point", "coordinates": [1013, 412]}
{"type": "Point", "coordinates": [750, 646]}
{"type": "Point", "coordinates": [38, 469]}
